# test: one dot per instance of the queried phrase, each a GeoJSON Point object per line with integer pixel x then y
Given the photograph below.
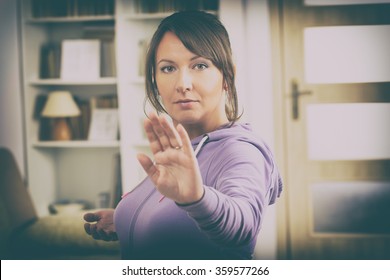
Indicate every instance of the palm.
{"type": "Point", "coordinates": [176, 175]}
{"type": "Point", "coordinates": [175, 172]}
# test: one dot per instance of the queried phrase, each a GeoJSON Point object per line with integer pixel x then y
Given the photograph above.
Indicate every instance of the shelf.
{"type": "Point", "coordinates": [154, 16]}
{"type": "Point", "coordinates": [59, 82]}
{"type": "Point", "coordinates": [71, 19]}
{"type": "Point", "coordinates": [76, 144]}
{"type": "Point", "coordinates": [143, 16]}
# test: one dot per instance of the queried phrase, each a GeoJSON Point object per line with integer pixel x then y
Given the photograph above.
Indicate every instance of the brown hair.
{"type": "Point", "coordinates": [204, 35]}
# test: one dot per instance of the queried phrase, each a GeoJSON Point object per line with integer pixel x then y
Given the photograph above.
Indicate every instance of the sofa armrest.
{"type": "Point", "coordinates": [62, 236]}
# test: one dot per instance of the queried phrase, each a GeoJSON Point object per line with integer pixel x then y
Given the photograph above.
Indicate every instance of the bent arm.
{"type": "Point", "coordinates": [100, 225]}
{"type": "Point", "coordinates": [232, 209]}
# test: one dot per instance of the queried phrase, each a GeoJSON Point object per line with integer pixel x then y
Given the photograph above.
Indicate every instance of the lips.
{"type": "Point", "coordinates": [186, 104]}
{"type": "Point", "coordinates": [183, 101]}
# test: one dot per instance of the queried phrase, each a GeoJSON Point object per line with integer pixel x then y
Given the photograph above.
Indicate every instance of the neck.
{"type": "Point", "coordinates": [195, 130]}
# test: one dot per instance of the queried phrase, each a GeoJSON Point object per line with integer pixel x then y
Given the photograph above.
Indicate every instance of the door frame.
{"type": "Point", "coordinates": [280, 91]}
{"type": "Point", "coordinates": [282, 103]}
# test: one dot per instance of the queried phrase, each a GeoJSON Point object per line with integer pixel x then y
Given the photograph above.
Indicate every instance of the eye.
{"type": "Point", "coordinates": [201, 66]}
{"type": "Point", "coordinates": [167, 69]}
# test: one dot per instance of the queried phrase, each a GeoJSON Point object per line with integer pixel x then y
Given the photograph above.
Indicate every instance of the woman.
{"type": "Point", "coordinates": [210, 179]}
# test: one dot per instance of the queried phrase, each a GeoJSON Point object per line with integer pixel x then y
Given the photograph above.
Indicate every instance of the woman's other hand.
{"type": "Point", "coordinates": [175, 170]}
{"type": "Point", "coordinates": [100, 225]}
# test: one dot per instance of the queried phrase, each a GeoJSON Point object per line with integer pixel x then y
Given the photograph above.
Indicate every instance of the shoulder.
{"type": "Point", "coordinates": [238, 141]}
{"type": "Point", "coordinates": [234, 151]}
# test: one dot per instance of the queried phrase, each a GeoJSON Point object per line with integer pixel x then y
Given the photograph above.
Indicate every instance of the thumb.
{"type": "Point", "coordinates": [147, 164]}
{"type": "Point", "coordinates": [91, 217]}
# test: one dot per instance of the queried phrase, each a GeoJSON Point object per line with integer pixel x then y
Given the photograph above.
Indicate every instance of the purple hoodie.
{"type": "Point", "coordinates": [240, 180]}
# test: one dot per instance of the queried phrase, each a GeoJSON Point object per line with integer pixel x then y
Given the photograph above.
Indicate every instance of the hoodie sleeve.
{"type": "Point", "coordinates": [239, 185]}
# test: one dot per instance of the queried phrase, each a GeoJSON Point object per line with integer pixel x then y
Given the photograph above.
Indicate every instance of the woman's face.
{"type": "Point", "coordinates": [190, 86]}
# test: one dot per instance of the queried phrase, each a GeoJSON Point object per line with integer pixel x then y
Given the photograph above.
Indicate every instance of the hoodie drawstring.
{"type": "Point", "coordinates": [201, 144]}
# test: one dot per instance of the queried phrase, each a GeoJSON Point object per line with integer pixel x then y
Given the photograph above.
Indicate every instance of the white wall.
{"type": "Point", "coordinates": [252, 54]}
{"type": "Point", "coordinates": [11, 116]}
{"type": "Point", "coordinates": [259, 106]}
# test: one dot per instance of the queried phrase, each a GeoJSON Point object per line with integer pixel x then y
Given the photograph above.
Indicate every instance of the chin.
{"type": "Point", "coordinates": [186, 119]}
{"type": "Point", "coordinates": [188, 122]}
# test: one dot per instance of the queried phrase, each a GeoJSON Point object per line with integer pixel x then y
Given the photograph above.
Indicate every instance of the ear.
{"type": "Point", "coordinates": [224, 85]}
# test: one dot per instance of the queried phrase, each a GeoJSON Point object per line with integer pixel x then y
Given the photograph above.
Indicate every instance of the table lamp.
{"type": "Point", "coordinates": [59, 106]}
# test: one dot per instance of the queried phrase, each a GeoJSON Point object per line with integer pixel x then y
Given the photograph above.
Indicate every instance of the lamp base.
{"type": "Point", "coordinates": [61, 130]}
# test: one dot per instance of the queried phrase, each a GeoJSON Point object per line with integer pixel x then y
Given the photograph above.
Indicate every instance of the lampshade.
{"type": "Point", "coordinates": [60, 104]}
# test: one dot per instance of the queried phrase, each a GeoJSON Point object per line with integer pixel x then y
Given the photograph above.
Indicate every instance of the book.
{"type": "Point", "coordinates": [80, 60]}
{"type": "Point", "coordinates": [85, 118]}
{"type": "Point", "coordinates": [50, 61]}
{"type": "Point", "coordinates": [76, 128]}
{"type": "Point", "coordinates": [108, 65]}
{"type": "Point", "coordinates": [106, 34]}
{"type": "Point", "coordinates": [44, 133]}
{"type": "Point", "coordinates": [142, 52]}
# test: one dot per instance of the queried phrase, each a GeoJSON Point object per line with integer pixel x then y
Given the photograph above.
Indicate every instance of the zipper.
{"type": "Point", "coordinates": [135, 217]}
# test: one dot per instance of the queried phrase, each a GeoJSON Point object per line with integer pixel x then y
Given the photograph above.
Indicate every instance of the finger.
{"type": "Point", "coordinates": [96, 236]}
{"type": "Point", "coordinates": [94, 232]}
{"type": "Point", "coordinates": [159, 131]}
{"type": "Point", "coordinates": [114, 236]}
{"type": "Point", "coordinates": [87, 228]}
{"type": "Point", "coordinates": [154, 142]}
{"type": "Point", "coordinates": [187, 146]}
{"type": "Point", "coordinates": [171, 132]}
{"type": "Point", "coordinates": [103, 235]}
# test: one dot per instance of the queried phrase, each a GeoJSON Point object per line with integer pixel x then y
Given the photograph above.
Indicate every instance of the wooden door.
{"type": "Point", "coordinates": [334, 125]}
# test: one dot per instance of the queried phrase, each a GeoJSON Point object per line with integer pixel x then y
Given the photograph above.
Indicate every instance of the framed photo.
{"type": "Point", "coordinates": [80, 60]}
{"type": "Point", "coordinates": [104, 125]}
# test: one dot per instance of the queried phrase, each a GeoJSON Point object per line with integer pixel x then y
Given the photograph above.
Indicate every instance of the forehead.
{"type": "Point", "coordinates": [171, 47]}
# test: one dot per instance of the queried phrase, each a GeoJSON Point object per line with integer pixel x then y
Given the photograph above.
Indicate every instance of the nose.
{"type": "Point", "coordinates": [184, 81]}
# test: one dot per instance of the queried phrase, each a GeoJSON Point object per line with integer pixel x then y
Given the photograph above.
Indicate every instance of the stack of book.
{"type": "Point", "coordinates": [71, 8]}
{"type": "Point", "coordinates": [163, 6]}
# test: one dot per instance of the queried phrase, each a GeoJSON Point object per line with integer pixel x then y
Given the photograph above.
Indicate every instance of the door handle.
{"type": "Point", "coordinates": [295, 94]}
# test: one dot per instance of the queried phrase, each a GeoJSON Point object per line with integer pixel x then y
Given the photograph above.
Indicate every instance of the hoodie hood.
{"type": "Point", "coordinates": [242, 132]}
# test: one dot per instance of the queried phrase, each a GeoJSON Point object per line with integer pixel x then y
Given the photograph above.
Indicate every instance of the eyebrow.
{"type": "Point", "coordinates": [171, 61]}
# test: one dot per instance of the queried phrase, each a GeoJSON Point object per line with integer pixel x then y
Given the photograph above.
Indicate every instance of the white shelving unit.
{"type": "Point", "coordinates": [80, 170]}
{"type": "Point", "coordinates": [63, 170]}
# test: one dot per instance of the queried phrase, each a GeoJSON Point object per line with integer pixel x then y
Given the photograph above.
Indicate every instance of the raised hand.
{"type": "Point", "coordinates": [100, 225]}
{"type": "Point", "coordinates": [175, 170]}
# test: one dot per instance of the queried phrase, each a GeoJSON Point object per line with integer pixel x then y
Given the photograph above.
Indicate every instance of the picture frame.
{"type": "Point", "coordinates": [104, 125]}
{"type": "Point", "coordinates": [80, 60]}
